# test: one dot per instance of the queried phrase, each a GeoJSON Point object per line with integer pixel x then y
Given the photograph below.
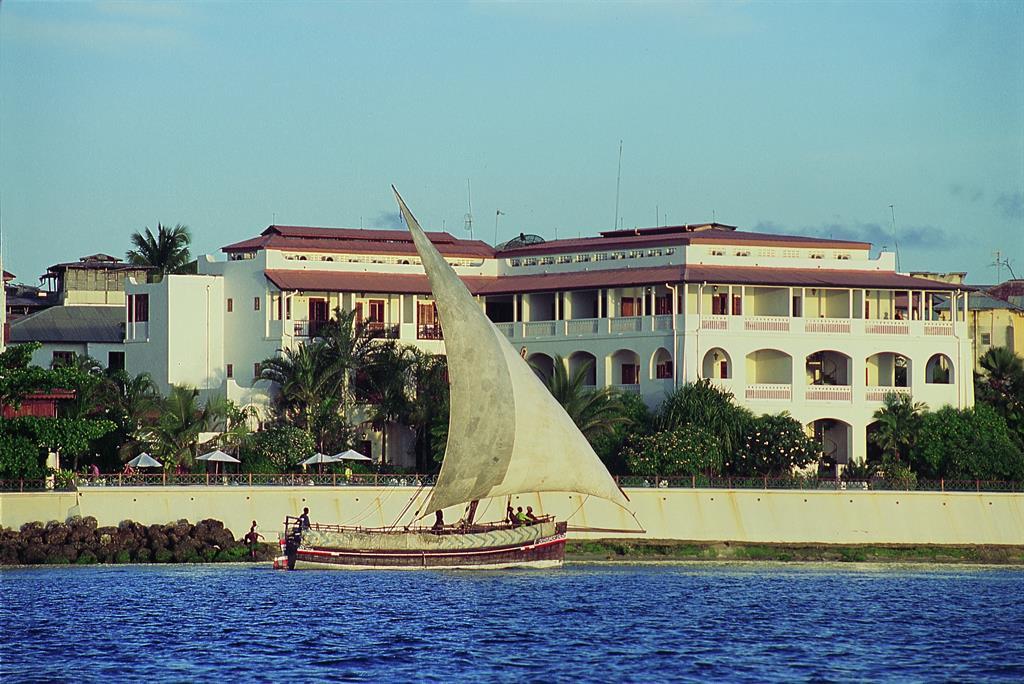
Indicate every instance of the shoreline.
{"type": "Point", "coordinates": [668, 551]}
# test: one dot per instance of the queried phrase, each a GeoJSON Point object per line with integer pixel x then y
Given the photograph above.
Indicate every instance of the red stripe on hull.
{"type": "Point", "coordinates": [551, 550]}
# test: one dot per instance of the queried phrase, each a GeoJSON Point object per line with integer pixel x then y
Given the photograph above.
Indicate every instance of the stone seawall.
{"type": "Point", "coordinates": [754, 516]}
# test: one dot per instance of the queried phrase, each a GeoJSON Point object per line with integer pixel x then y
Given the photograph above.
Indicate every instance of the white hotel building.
{"type": "Point", "coordinates": [810, 326]}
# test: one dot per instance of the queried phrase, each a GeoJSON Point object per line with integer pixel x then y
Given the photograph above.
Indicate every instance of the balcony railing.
{"type": "Point", "coordinates": [766, 323]}
{"type": "Point", "coordinates": [582, 326]}
{"type": "Point", "coordinates": [938, 328]}
{"type": "Point", "coordinates": [727, 324]}
{"type": "Point", "coordinates": [879, 393]}
{"type": "Point", "coordinates": [827, 326]}
{"type": "Point", "coordinates": [382, 330]}
{"type": "Point", "coordinates": [429, 332]}
{"type": "Point", "coordinates": [828, 393]}
{"type": "Point", "coordinates": [769, 392]}
{"type": "Point", "coordinates": [629, 389]}
{"type": "Point", "coordinates": [307, 328]}
{"type": "Point", "coordinates": [626, 324]}
{"type": "Point", "coordinates": [886, 327]}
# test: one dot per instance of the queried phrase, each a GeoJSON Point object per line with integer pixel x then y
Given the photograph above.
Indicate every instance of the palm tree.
{"type": "Point", "coordinates": [899, 421]}
{"type": "Point", "coordinates": [176, 434]}
{"type": "Point", "coordinates": [1002, 386]}
{"type": "Point", "coordinates": [390, 384]}
{"type": "Point", "coordinates": [166, 252]}
{"type": "Point", "coordinates": [306, 376]}
{"type": "Point", "coordinates": [431, 406]}
{"type": "Point", "coordinates": [134, 405]}
{"type": "Point", "coordinates": [595, 412]}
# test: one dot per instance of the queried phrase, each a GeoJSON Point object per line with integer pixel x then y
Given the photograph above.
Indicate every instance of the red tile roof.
{"type": "Point", "coordinates": [340, 281]}
{"type": "Point", "coordinates": [810, 277]}
{"type": "Point", "coordinates": [356, 241]}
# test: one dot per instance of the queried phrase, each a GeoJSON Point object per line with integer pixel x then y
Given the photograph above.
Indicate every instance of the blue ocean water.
{"type": "Point", "coordinates": [606, 623]}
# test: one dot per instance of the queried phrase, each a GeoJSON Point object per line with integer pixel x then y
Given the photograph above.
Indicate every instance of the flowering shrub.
{"type": "Point", "coordinates": [773, 445]}
{"type": "Point", "coordinates": [686, 450]}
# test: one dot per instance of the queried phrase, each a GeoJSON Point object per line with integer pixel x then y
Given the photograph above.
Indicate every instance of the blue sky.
{"type": "Point", "coordinates": [806, 118]}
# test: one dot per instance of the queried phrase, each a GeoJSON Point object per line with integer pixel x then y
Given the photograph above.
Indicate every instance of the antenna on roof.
{"type": "Point", "coordinates": [618, 182]}
{"type": "Point", "coordinates": [469, 214]}
{"type": "Point", "coordinates": [895, 241]}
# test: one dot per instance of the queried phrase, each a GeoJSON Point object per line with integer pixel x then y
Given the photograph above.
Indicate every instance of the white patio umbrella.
{"type": "Point", "coordinates": [144, 460]}
{"type": "Point", "coordinates": [351, 455]}
{"type": "Point", "coordinates": [319, 460]}
{"type": "Point", "coordinates": [218, 457]}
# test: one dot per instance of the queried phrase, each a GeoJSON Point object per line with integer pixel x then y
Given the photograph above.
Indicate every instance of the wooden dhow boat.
{"type": "Point", "coordinates": [507, 435]}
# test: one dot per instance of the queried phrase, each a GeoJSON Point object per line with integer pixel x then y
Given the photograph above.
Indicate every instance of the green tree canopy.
{"type": "Point", "coordinates": [596, 412]}
{"type": "Point", "coordinates": [686, 450]}
{"type": "Point", "coordinates": [701, 403]}
{"type": "Point", "coordinates": [899, 421]}
{"type": "Point", "coordinates": [773, 445]}
{"type": "Point", "coordinates": [969, 444]}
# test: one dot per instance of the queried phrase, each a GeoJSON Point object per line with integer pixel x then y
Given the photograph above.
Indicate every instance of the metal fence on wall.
{"type": "Point", "coordinates": [405, 480]}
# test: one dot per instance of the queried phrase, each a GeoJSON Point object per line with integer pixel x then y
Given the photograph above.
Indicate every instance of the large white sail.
{"type": "Point", "coordinates": [507, 434]}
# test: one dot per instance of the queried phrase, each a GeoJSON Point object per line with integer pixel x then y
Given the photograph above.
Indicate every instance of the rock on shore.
{"type": "Point", "coordinates": [81, 541]}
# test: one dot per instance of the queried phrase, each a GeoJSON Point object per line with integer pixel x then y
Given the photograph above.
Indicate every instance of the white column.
{"type": "Point", "coordinates": [558, 306]}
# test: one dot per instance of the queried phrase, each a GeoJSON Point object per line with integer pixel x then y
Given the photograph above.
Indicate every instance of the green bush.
{"type": "Point", "coordinates": [19, 458]}
{"type": "Point", "coordinates": [143, 555]}
{"type": "Point", "coordinates": [234, 554]}
{"type": "Point", "coordinates": [276, 449]}
{"type": "Point", "coordinates": [87, 558]}
{"type": "Point", "coordinates": [123, 557]}
{"type": "Point", "coordinates": [971, 444]}
{"type": "Point", "coordinates": [686, 450]}
{"type": "Point", "coordinates": [899, 476]}
{"type": "Point", "coordinates": [163, 556]}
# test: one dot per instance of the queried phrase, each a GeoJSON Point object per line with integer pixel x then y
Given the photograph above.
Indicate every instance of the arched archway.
{"type": "Point", "coordinates": [661, 365]}
{"type": "Point", "coordinates": [717, 364]}
{"type": "Point", "coordinates": [625, 367]}
{"type": "Point", "coordinates": [828, 367]}
{"type": "Point", "coordinates": [834, 438]}
{"type": "Point", "coordinates": [587, 362]}
{"type": "Point", "coordinates": [769, 367]}
{"type": "Point", "coordinates": [939, 370]}
{"type": "Point", "coordinates": [887, 369]}
{"type": "Point", "coordinates": [542, 364]}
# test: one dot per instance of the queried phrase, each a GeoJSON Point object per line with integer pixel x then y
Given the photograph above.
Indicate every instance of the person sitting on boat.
{"type": "Point", "coordinates": [530, 517]}
{"type": "Point", "coordinates": [510, 515]}
{"type": "Point", "coordinates": [438, 521]}
{"type": "Point", "coordinates": [520, 518]}
{"type": "Point", "coordinates": [304, 520]}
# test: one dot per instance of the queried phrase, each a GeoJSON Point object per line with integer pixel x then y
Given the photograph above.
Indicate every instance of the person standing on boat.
{"type": "Point", "coordinates": [304, 520]}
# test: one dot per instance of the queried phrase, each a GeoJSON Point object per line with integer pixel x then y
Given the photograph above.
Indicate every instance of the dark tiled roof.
{"type": "Point", "coordinates": [355, 241]}
{"type": "Point", "coordinates": [71, 324]}
{"type": "Point", "coordinates": [1010, 288]}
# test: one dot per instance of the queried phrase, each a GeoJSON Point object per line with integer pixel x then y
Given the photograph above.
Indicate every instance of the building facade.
{"type": "Point", "coordinates": [80, 314]}
{"type": "Point", "coordinates": [814, 327]}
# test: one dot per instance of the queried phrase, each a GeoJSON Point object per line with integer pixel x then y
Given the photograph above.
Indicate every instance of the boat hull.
{"type": "Point", "coordinates": [464, 552]}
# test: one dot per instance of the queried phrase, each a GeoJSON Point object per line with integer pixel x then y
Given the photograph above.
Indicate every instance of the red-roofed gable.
{"type": "Point", "coordinates": [356, 241]}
